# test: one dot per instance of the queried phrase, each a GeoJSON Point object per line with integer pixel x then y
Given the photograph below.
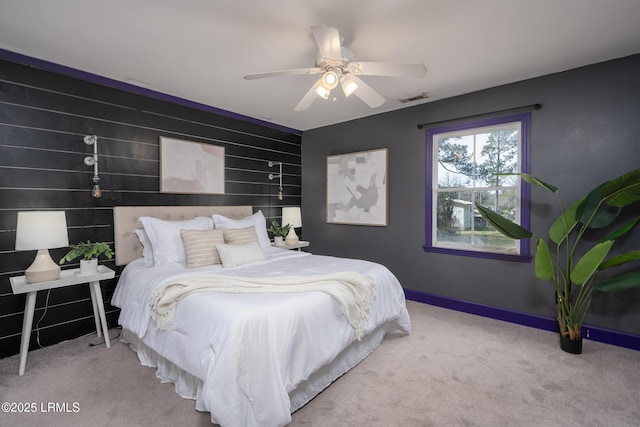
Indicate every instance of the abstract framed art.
{"type": "Point", "coordinates": [191, 167]}
{"type": "Point", "coordinates": [357, 189]}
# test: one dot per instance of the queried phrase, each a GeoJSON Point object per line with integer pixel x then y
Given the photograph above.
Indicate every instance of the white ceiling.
{"type": "Point", "coordinates": [200, 50]}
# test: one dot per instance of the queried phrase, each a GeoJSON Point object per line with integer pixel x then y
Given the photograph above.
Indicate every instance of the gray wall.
{"type": "Point", "coordinates": [586, 133]}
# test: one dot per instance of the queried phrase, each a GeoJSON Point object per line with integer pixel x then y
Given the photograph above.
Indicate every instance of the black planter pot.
{"type": "Point", "coordinates": [571, 346]}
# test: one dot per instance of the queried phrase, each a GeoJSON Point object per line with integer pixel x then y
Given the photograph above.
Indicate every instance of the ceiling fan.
{"type": "Point", "coordinates": [335, 63]}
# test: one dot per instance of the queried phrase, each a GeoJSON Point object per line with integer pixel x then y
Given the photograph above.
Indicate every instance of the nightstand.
{"type": "Point", "coordinates": [19, 285]}
{"type": "Point", "coordinates": [298, 246]}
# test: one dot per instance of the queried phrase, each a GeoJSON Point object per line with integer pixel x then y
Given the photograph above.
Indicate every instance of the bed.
{"type": "Point", "coordinates": [257, 334]}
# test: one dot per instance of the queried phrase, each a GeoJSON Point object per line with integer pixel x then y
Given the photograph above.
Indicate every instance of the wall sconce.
{"type": "Point", "coordinates": [93, 161]}
{"type": "Point", "coordinates": [272, 176]}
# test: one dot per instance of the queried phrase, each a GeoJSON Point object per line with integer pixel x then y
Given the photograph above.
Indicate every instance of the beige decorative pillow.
{"type": "Point", "coordinates": [237, 236]}
{"type": "Point", "coordinates": [200, 247]}
{"type": "Point", "coordinates": [257, 219]}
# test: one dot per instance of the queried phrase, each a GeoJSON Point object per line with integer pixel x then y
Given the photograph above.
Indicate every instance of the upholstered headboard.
{"type": "Point", "coordinates": [126, 219]}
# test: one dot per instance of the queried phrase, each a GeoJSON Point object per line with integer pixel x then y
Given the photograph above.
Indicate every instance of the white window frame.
{"type": "Point", "coordinates": [522, 189]}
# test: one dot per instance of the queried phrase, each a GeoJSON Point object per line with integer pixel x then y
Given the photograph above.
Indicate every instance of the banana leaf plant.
{"type": "Point", "coordinates": [571, 263]}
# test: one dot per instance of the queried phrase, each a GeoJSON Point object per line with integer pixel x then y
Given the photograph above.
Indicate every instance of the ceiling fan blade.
{"type": "Point", "coordinates": [328, 41]}
{"type": "Point", "coordinates": [308, 98]}
{"type": "Point", "coordinates": [389, 69]}
{"type": "Point", "coordinates": [284, 73]}
{"type": "Point", "coordinates": [370, 97]}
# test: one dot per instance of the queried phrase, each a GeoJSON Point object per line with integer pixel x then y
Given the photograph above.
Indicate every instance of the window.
{"type": "Point", "coordinates": [463, 167]}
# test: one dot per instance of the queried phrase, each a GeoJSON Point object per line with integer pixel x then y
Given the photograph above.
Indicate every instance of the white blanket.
{"type": "Point", "coordinates": [353, 291]}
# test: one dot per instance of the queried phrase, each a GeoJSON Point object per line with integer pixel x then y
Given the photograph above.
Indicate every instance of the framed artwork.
{"type": "Point", "coordinates": [191, 167]}
{"type": "Point", "coordinates": [357, 188]}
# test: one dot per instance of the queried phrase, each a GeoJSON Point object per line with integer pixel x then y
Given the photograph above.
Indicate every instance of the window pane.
{"type": "Point", "coordinates": [454, 217]}
{"type": "Point", "coordinates": [453, 212]}
{"type": "Point", "coordinates": [505, 203]}
{"type": "Point", "coordinates": [455, 161]}
{"type": "Point", "coordinates": [498, 154]}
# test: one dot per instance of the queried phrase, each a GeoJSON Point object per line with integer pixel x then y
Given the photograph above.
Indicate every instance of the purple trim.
{"type": "Point", "coordinates": [478, 254]}
{"type": "Point", "coordinates": [592, 333]}
{"type": "Point", "coordinates": [428, 199]}
{"type": "Point", "coordinates": [105, 81]}
{"type": "Point", "coordinates": [525, 189]}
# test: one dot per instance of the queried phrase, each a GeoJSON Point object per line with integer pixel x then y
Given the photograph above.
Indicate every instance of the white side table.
{"type": "Point", "coordinates": [19, 285]}
{"type": "Point", "coordinates": [300, 244]}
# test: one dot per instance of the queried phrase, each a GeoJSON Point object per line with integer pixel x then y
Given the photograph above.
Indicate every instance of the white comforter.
{"type": "Point", "coordinates": [252, 350]}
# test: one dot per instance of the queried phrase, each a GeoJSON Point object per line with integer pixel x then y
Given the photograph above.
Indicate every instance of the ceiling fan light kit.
{"type": "Point", "coordinates": [335, 63]}
{"type": "Point", "coordinates": [330, 78]}
{"type": "Point", "coordinates": [328, 82]}
{"type": "Point", "coordinates": [348, 84]}
{"type": "Point", "coordinates": [322, 92]}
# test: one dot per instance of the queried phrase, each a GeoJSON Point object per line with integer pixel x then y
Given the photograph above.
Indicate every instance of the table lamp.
{"type": "Point", "coordinates": [41, 231]}
{"type": "Point", "coordinates": [292, 216]}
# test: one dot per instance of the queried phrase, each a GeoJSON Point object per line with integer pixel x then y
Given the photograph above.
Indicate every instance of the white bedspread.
{"type": "Point", "coordinates": [252, 350]}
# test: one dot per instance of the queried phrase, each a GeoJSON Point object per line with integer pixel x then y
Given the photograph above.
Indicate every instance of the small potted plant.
{"type": "Point", "coordinates": [89, 253]}
{"type": "Point", "coordinates": [279, 233]}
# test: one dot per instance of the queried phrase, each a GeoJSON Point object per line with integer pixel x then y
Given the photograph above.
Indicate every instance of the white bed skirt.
{"type": "Point", "coordinates": [190, 387]}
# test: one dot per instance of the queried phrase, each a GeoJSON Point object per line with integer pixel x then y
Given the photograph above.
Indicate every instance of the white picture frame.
{"type": "Point", "coordinates": [191, 167]}
{"type": "Point", "coordinates": [357, 188]}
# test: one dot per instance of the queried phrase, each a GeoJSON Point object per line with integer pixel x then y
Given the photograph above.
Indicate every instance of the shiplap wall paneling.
{"type": "Point", "coordinates": [44, 117]}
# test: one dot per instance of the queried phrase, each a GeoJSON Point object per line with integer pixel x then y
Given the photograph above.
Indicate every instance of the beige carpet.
{"type": "Point", "coordinates": [455, 369]}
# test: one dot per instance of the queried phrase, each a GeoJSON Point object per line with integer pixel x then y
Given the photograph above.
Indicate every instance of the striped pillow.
{"type": "Point", "coordinates": [200, 247]}
{"type": "Point", "coordinates": [238, 236]}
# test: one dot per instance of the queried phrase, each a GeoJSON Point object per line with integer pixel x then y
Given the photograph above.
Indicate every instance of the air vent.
{"type": "Point", "coordinates": [423, 95]}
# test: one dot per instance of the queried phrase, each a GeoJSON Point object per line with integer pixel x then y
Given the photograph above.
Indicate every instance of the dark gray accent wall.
{"type": "Point", "coordinates": [43, 119]}
{"type": "Point", "coordinates": [587, 132]}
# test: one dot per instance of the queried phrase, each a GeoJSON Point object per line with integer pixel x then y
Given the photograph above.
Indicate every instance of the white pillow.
{"type": "Point", "coordinates": [239, 254]}
{"type": "Point", "coordinates": [147, 249]}
{"type": "Point", "coordinates": [165, 238]}
{"type": "Point", "coordinates": [256, 219]}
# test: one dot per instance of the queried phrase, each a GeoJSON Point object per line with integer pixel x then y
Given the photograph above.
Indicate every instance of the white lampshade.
{"type": "Point", "coordinates": [41, 231]}
{"type": "Point", "coordinates": [348, 84]}
{"type": "Point", "coordinates": [330, 79]}
{"type": "Point", "coordinates": [293, 217]}
{"type": "Point", "coordinates": [322, 91]}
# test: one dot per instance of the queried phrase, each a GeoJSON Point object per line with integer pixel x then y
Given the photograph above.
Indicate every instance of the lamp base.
{"type": "Point", "coordinates": [43, 268]}
{"type": "Point", "coordinates": [292, 238]}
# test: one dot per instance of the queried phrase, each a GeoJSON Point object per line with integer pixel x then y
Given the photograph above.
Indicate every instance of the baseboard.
{"type": "Point", "coordinates": [592, 333]}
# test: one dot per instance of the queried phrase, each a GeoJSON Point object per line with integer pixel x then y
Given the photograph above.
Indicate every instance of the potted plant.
{"type": "Point", "coordinates": [570, 261]}
{"type": "Point", "coordinates": [279, 233]}
{"type": "Point", "coordinates": [89, 252]}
